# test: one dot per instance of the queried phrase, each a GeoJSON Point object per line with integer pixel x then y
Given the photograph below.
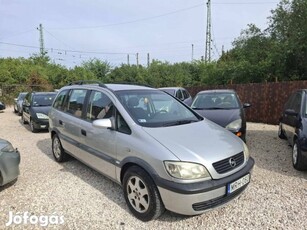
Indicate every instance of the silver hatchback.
{"type": "Point", "coordinates": [163, 154]}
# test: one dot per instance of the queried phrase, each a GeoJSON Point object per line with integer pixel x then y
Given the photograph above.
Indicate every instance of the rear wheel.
{"type": "Point", "coordinates": [281, 133]}
{"type": "Point", "coordinates": [58, 152]}
{"type": "Point", "coordinates": [297, 160]}
{"type": "Point", "coordinates": [142, 195]}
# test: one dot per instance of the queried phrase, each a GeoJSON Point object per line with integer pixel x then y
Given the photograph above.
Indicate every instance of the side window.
{"type": "Point", "coordinates": [296, 103]}
{"type": "Point", "coordinates": [185, 94]}
{"type": "Point", "coordinates": [179, 94]}
{"type": "Point", "coordinates": [76, 102]}
{"type": "Point", "coordinates": [100, 106]}
{"type": "Point", "coordinates": [122, 125]}
{"type": "Point", "coordinates": [289, 102]}
{"type": "Point", "coordinates": [59, 102]}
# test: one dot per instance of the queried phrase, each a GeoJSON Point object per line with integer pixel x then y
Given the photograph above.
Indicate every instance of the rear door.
{"type": "Point", "coordinates": [70, 122]}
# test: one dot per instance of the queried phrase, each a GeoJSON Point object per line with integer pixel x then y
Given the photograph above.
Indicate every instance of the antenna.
{"type": "Point", "coordinates": [41, 40]}
{"type": "Point", "coordinates": [208, 33]}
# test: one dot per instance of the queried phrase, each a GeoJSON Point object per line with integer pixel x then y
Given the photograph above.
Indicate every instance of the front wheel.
{"type": "Point", "coordinates": [142, 195]}
{"type": "Point", "coordinates": [32, 126]}
{"type": "Point", "coordinates": [297, 161]}
{"type": "Point", "coordinates": [58, 152]}
{"type": "Point", "coordinates": [281, 133]}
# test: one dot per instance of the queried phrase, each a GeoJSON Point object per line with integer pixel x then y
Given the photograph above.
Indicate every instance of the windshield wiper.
{"type": "Point", "coordinates": [180, 122]}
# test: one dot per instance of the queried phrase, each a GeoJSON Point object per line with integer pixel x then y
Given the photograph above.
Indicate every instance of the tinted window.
{"type": "Point", "coordinates": [60, 100]}
{"type": "Point", "coordinates": [100, 106]}
{"type": "Point", "coordinates": [216, 101]}
{"type": "Point", "coordinates": [185, 94]}
{"type": "Point", "coordinates": [76, 102]}
{"type": "Point", "coordinates": [179, 94]}
{"type": "Point", "coordinates": [296, 103]}
{"type": "Point", "coordinates": [43, 100]}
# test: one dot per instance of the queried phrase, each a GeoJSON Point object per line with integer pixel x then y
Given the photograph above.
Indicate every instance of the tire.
{"type": "Point", "coordinates": [23, 119]}
{"type": "Point", "coordinates": [58, 152]}
{"type": "Point", "coordinates": [281, 133]}
{"type": "Point", "coordinates": [32, 127]}
{"type": "Point", "coordinates": [297, 159]}
{"type": "Point", "coordinates": [142, 195]}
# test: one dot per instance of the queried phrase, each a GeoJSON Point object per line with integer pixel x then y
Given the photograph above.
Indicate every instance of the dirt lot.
{"type": "Point", "coordinates": [275, 199]}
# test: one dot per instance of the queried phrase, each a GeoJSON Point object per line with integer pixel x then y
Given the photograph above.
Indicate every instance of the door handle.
{"type": "Point", "coordinates": [61, 122]}
{"type": "Point", "coordinates": [83, 132]}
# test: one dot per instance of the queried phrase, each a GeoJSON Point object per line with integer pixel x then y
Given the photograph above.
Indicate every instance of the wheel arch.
{"type": "Point", "coordinates": [134, 161]}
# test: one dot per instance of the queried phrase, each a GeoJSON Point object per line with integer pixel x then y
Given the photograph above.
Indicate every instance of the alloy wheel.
{"type": "Point", "coordinates": [138, 194]}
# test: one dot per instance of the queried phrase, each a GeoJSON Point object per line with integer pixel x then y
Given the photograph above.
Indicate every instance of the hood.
{"type": "Point", "coordinates": [3, 143]}
{"type": "Point", "coordinates": [203, 142]}
{"type": "Point", "coordinates": [41, 109]}
{"type": "Point", "coordinates": [221, 117]}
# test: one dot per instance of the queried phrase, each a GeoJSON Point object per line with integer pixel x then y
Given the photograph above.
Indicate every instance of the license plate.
{"type": "Point", "coordinates": [43, 126]}
{"type": "Point", "coordinates": [238, 184]}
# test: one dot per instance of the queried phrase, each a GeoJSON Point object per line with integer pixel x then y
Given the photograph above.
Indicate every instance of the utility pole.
{"type": "Point", "coordinates": [148, 60]}
{"type": "Point", "coordinates": [128, 59]}
{"type": "Point", "coordinates": [208, 33]}
{"type": "Point", "coordinates": [192, 52]}
{"type": "Point", "coordinates": [41, 40]}
{"type": "Point", "coordinates": [137, 59]}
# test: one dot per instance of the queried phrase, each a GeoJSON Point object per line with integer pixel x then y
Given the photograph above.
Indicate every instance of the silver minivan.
{"type": "Point", "coordinates": [162, 153]}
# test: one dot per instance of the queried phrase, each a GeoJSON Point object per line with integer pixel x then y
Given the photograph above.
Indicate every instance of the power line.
{"type": "Point", "coordinates": [72, 51]}
{"type": "Point", "coordinates": [132, 21]}
{"type": "Point", "coordinates": [243, 3]}
{"type": "Point", "coordinates": [57, 39]}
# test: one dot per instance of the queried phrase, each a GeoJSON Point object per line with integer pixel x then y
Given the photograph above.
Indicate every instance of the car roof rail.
{"type": "Point", "coordinates": [85, 82]}
{"type": "Point", "coordinates": [133, 83]}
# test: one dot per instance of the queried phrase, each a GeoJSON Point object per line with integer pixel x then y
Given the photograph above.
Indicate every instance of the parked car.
{"type": "Point", "coordinates": [293, 127]}
{"type": "Point", "coordinates": [9, 162]}
{"type": "Point", "coordinates": [2, 106]}
{"type": "Point", "coordinates": [180, 93]}
{"type": "Point", "coordinates": [165, 155]}
{"type": "Point", "coordinates": [224, 108]}
{"type": "Point", "coordinates": [35, 108]}
{"type": "Point", "coordinates": [18, 103]}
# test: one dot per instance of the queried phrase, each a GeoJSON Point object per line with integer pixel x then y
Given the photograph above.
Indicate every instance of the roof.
{"type": "Point", "coordinates": [174, 88]}
{"type": "Point", "coordinates": [217, 91]}
{"type": "Point", "coordinates": [112, 87]}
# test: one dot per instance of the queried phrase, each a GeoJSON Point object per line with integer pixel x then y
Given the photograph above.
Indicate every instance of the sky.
{"type": "Point", "coordinates": [76, 31]}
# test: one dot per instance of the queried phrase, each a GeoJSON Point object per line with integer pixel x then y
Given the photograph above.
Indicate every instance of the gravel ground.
{"type": "Point", "coordinates": [275, 199]}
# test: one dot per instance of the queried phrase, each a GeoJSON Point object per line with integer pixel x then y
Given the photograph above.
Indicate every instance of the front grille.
{"type": "Point", "coordinates": [218, 201]}
{"type": "Point", "coordinates": [228, 164]}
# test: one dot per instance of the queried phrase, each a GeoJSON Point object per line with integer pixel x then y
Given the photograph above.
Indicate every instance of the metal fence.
{"type": "Point", "coordinates": [267, 99]}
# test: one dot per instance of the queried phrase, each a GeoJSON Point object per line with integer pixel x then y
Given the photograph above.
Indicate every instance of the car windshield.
{"type": "Point", "coordinates": [153, 108]}
{"type": "Point", "coordinates": [216, 100]}
{"type": "Point", "coordinates": [43, 100]}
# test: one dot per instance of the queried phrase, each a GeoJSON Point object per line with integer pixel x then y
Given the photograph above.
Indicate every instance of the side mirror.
{"type": "Point", "coordinates": [246, 105]}
{"type": "Point", "coordinates": [291, 112]}
{"type": "Point", "coordinates": [103, 123]}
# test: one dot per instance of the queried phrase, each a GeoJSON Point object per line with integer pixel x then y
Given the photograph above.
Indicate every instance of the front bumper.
{"type": "Point", "coordinates": [9, 166]}
{"type": "Point", "coordinates": [196, 198]}
{"type": "Point", "coordinates": [41, 124]}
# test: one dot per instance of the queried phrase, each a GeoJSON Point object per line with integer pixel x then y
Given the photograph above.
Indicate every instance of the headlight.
{"type": "Point", "coordinates": [235, 125]}
{"type": "Point", "coordinates": [42, 116]}
{"type": "Point", "coordinates": [246, 151]}
{"type": "Point", "coordinates": [8, 148]}
{"type": "Point", "coordinates": [186, 170]}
